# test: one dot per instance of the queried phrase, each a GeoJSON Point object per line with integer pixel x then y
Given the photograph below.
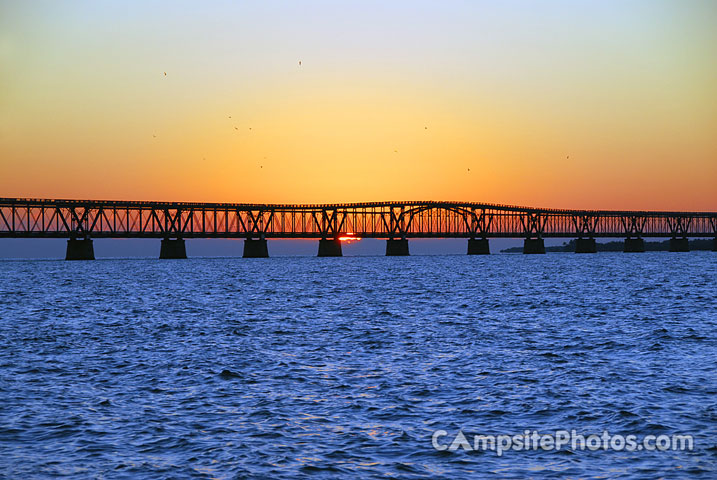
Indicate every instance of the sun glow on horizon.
{"type": "Point", "coordinates": [349, 237]}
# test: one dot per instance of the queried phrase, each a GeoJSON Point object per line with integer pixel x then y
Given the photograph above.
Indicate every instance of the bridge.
{"type": "Point", "coordinates": [173, 222]}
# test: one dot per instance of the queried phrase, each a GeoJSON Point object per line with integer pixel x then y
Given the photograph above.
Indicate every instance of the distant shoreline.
{"type": "Point", "coordinates": [618, 246]}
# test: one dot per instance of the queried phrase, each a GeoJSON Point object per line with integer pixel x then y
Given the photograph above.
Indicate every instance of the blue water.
{"type": "Point", "coordinates": [344, 367]}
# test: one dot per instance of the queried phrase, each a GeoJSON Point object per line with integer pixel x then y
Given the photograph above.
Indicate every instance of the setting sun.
{"type": "Point", "coordinates": [349, 237]}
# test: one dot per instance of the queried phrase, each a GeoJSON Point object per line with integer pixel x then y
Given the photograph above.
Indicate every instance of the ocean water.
{"type": "Point", "coordinates": [346, 367]}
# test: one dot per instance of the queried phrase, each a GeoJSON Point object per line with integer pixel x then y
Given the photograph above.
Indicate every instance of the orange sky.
{"type": "Point", "coordinates": [559, 104]}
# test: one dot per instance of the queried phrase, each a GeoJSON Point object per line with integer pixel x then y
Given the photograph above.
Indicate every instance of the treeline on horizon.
{"type": "Point", "coordinates": [618, 246]}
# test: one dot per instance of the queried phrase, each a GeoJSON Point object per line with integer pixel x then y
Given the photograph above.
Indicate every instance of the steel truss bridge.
{"type": "Point", "coordinates": [173, 222]}
{"type": "Point", "coordinates": [21, 218]}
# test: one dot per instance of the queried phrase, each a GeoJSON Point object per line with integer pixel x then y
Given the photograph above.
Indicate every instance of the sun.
{"type": "Point", "coordinates": [349, 237]}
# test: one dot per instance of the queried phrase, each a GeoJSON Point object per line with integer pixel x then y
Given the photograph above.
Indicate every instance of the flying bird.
{"type": "Point", "coordinates": [236, 128]}
{"type": "Point", "coordinates": [299, 62]}
{"type": "Point", "coordinates": [165, 74]}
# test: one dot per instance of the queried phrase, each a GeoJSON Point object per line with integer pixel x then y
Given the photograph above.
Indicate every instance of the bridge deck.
{"type": "Point", "coordinates": [132, 219]}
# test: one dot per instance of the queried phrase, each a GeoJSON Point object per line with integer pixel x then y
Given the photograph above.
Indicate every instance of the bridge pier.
{"type": "Point", "coordinates": [679, 244]}
{"type": "Point", "coordinates": [330, 247]}
{"type": "Point", "coordinates": [397, 247]}
{"type": "Point", "coordinates": [533, 245]}
{"type": "Point", "coordinates": [634, 245]}
{"type": "Point", "coordinates": [478, 246]}
{"type": "Point", "coordinates": [256, 248]}
{"type": "Point", "coordinates": [172, 248]}
{"type": "Point", "coordinates": [80, 249]}
{"type": "Point", "coordinates": [585, 245]}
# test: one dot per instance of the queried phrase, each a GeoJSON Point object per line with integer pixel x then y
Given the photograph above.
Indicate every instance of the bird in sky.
{"type": "Point", "coordinates": [236, 128]}
{"type": "Point", "coordinates": [299, 62]}
{"type": "Point", "coordinates": [469, 170]}
{"type": "Point", "coordinates": [165, 74]}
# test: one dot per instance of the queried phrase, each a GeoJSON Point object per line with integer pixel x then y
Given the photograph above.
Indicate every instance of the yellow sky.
{"type": "Point", "coordinates": [560, 104]}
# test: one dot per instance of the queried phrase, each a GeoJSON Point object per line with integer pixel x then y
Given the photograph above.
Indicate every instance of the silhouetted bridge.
{"type": "Point", "coordinates": [82, 220]}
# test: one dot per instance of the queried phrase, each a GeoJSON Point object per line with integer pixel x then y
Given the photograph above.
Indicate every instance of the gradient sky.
{"type": "Point", "coordinates": [574, 104]}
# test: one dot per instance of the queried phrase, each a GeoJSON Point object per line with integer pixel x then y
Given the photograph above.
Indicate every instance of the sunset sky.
{"type": "Point", "coordinates": [574, 104]}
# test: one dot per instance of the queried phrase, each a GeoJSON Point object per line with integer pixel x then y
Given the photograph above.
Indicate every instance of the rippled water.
{"type": "Point", "coordinates": [335, 367]}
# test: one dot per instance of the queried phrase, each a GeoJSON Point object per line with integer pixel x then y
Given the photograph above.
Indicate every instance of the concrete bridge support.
{"type": "Point", "coordinates": [256, 248]}
{"type": "Point", "coordinates": [80, 249]}
{"type": "Point", "coordinates": [397, 247]}
{"type": "Point", "coordinates": [634, 245]}
{"type": "Point", "coordinates": [585, 245]}
{"type": "Point", "coordinates": [533, 245]}
{"type": "Point", "coordinates": [330, 247]}
{"type": "Point", "coordinates": [478, 246]}
{"type": "Point", "coordinates": [679, 244]}
{"type": "Point", "coordinates": [173, 248]}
